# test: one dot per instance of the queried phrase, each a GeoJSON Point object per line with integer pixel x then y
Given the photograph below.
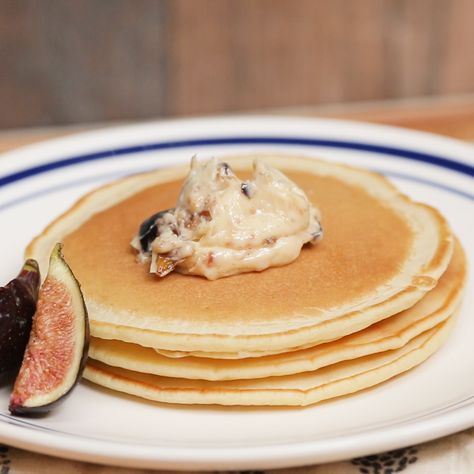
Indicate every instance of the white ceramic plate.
{"type": "Point", "coordinates": [437, 398]}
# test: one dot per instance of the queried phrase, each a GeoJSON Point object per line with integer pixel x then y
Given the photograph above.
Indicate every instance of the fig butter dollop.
{"type": "Point", "coordinates": [223, 226]}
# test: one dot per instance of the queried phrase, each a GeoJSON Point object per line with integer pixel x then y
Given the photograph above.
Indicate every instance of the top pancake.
{"type": "Point", "coordinates": [380, 253]}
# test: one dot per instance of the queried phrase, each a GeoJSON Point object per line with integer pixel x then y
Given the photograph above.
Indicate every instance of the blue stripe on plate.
{"type": "Point", "coordinates": [435, 160]}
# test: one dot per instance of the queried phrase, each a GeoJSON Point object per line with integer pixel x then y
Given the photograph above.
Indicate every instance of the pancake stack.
{"type": "Point", "coordinates": [376, 297]}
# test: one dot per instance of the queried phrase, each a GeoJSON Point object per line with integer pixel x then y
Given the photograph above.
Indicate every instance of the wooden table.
{"type": "Point", "coordinates": [453, 117]}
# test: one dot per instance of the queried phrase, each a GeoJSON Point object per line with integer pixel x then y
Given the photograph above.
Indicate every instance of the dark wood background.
{"type": "Point", "coordinates": [68, 61]}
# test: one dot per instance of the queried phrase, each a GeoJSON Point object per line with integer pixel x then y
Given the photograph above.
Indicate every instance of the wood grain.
{"type": "Point", "coordinates": [80, 61]}
{"type": "Point", "coordinates": [67, 62]}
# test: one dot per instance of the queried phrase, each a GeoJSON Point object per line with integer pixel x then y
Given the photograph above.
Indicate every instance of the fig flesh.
{"type": "Point", "coordinates": [17, 306]}
{"type": "Point", "coordinates": [57, 349]}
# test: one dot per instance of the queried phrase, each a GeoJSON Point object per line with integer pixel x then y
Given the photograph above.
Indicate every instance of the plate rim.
{"type": "Point", "coordinates": [267, 457]}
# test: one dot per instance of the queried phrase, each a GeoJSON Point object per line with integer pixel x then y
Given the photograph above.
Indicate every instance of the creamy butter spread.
{"type": "Point", "coordinates": [222, 226]}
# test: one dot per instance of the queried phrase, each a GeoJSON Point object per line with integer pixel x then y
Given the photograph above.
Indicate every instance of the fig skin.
{"type": "Point", "coordinates": [17, 307]}
{"type": "Point", "coordinates": [57, 350]}
{"type": "Point", "coordinates": [148, 231]}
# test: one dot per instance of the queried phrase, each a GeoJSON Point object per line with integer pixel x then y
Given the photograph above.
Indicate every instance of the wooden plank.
{"type": "Point", "coordinates": [81, 60]}
{"type": "Point", "coordinates": [237, 55]}
{"type": "Point", "coordinates": [264, 53]}
{"type": "Point", "coordinates": [456, 72]}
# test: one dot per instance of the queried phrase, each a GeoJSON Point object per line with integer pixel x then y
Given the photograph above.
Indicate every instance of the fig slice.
{"type": "Point", "coordinates": [17, 306]}
{"type": "Point", "coordinates": [57, 349]}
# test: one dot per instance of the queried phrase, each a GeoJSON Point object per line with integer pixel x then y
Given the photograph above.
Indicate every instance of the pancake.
{"type": "Point", "coordinates": [380, 254]}
{"type": "Point", "coordinates": [439, 301]}
{"type": "Point", "coordinates": [301, 389]}
{"type": "Point", "coordinates": [391, 333]}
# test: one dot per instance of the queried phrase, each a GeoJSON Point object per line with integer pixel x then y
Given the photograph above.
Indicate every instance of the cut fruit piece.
{"type": "Point", "coordinates": [17, 306]}
{"type": "Point", "coordinates": [57, 349]}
